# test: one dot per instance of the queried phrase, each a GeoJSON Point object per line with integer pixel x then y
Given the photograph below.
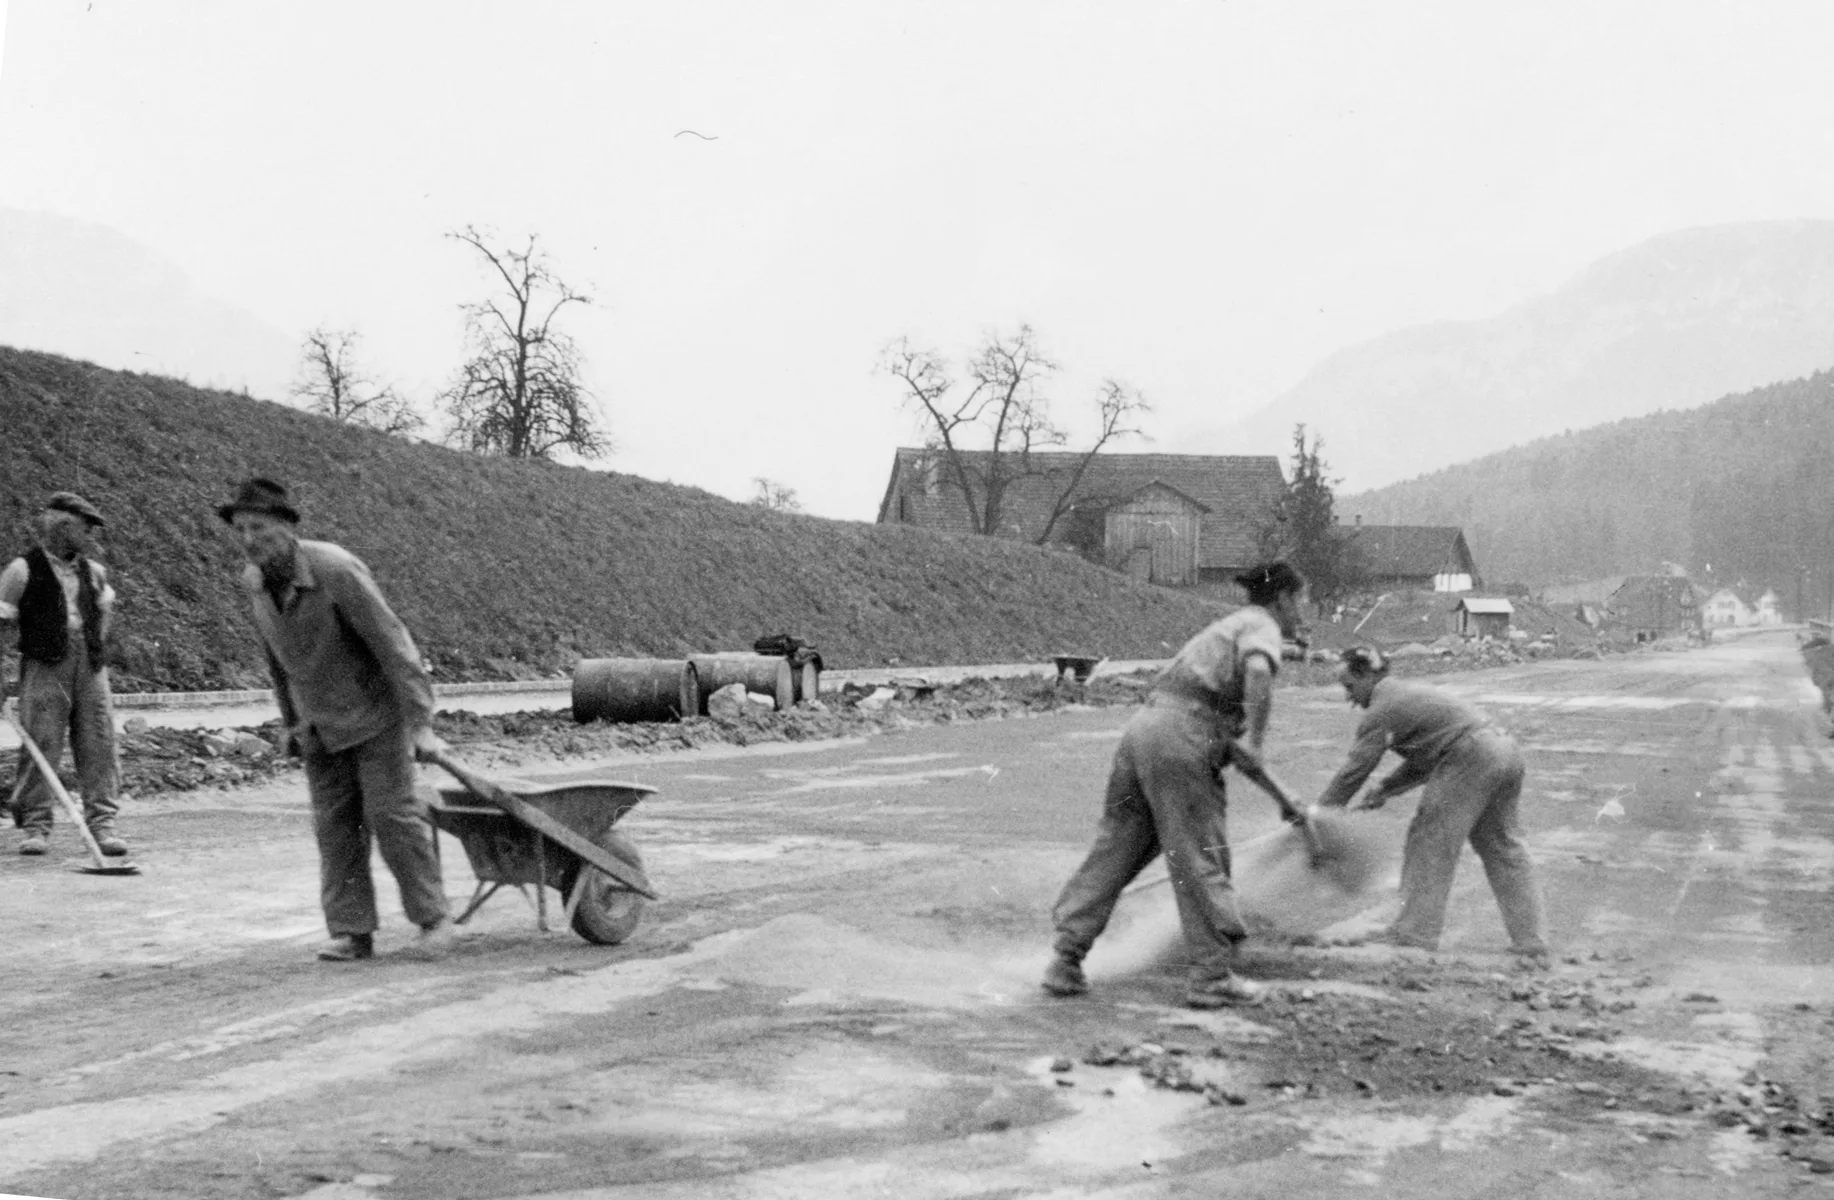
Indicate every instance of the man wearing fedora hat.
{"type": "Point", "coordinates": [63, 604]}
{"type": "Point", "coordinates": [356, 706]}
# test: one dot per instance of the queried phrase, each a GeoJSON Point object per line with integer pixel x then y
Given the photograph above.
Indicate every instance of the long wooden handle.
{"type": "Point", "coordinates": [544, 824]}
{"type": "Point", "coordinates": [57, 788]}
{"type": "Point", "coordinates": [1255, 771]}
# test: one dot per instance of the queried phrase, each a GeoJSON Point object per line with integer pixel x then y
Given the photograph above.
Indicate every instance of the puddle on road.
{"type": "Point", "coordinates": [825, 1085]}
{"type": "Point", "coordinates": [1729, 1044]}
{"type": "Point", "coordinates": [827, 963]}
{"type": "Point", "coordinates": [1369, 1140]}
{"type": "Point", "coordinates": [1117, 1120]}
{"type": "Point", "coordinates": [904, 760]}
{"type": "Point", "coordinates": [830, 782]}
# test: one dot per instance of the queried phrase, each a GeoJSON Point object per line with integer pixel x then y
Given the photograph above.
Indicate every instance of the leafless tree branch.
{"type": "Point", "coordinates": [520, 393]}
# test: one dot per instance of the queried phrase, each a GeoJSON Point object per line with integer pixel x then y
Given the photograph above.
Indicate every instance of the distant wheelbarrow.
{"type": "Point", "coordinates": [1080, 666]}
{"type": "Point", "coordinates": [557, 835]}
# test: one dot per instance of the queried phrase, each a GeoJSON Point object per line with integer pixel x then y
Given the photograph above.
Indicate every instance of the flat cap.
{"type": "Point", "coordinates": [76, 506]}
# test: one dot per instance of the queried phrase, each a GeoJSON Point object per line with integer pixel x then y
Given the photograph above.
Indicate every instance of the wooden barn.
{"type": "Point", "coordinates": [1176, 519]}
{"type": "Point", "coordinates": [1423, 558]}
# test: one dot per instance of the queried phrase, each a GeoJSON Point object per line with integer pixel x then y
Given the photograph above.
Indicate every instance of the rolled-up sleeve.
{"type": "Point", "coordinates": [12, 587]}
{"type": "Point", "coordinates": [1372, 740]}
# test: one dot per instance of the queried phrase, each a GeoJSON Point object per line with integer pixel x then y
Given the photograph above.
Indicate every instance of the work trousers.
{"type": "Point", "coordinates": [1471, 796]}
{"type": "Point", "coordinates": [1164, 795]}
{"type": "Point", "coordinates": [364, 791]}
{"type": "Point", "coordinates": [59, 702]}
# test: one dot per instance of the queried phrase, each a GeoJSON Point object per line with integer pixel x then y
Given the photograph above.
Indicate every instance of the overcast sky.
{"type": "Point", "coordinates": [1202, 199]}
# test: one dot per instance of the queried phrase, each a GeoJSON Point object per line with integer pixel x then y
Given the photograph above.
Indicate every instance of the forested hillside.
{"type": "Point", "coordinates": [504, 569]}
{"type": "Point", "coordinates": [1742, 485]}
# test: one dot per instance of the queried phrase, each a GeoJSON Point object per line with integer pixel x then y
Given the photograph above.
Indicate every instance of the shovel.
{"type": "Point", "coordinates": [102, 865]}
{"type": "Point", "coordinates": [1255, 771]}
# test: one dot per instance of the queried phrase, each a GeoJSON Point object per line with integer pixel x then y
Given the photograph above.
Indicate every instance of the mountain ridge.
{"type": "Point", "coordinates": [1672, 322]}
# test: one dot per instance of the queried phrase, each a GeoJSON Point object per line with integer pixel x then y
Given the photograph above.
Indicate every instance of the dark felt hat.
{"type": "Point", "coordinates": [76, 506]}
{"type": "Point", "coordinates": [1271, 579]}
{"type": "Point", "coordinates": [260, 496]}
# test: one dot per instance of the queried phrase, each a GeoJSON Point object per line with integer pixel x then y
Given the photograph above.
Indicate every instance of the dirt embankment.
{"type": "Point", "coordinates": [512, 569]}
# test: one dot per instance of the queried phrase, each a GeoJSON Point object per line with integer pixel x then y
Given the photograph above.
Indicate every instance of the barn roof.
{"type": "Point", "coordinates": [1162, 485]}
{"type": "Point", "coordinates": [1417, 550]}
{"type": "Point", "coordinates": [1235, 491]}
{"type": "Point", "coordinates": [1492, 607]}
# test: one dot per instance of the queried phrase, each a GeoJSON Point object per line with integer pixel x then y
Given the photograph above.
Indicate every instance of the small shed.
{"type": "Point", "coordinates": [1483, 618]}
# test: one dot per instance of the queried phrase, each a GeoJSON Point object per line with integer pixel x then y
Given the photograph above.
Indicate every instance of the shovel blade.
{"type": "Point", "coordinates": [112, 869]}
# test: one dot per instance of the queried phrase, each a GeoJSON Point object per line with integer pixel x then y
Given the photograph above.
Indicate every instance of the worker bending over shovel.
{"type": "Point", "coordinates": [1165, 794]}
{"type": "Point", "coordinates": [1473, 776]}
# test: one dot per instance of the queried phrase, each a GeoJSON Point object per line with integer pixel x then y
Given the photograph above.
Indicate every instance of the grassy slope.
{"type": "Point", "coordinates": [504, 568]}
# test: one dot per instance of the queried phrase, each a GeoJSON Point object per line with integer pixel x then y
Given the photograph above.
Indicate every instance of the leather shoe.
{"type": "Point", "coordinates": [434, 943]}
{"type": "Point", "coordinates": [109, 843]}
{"type": "Point", "coordinates": [1226, 990]}
{"type": "Point", "coordinates": [35, 843]}
{"type": "Point", "coordinates": [348, 947]}
{"type": "Point", "coordinates": [1064, 978]}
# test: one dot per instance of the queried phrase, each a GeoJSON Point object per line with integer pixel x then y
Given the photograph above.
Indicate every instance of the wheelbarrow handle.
{"type": "Point", "coordinates": [542, 823]}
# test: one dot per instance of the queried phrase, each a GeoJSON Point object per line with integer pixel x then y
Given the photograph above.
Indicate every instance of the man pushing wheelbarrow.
{"type": "Point", "coordinates": [356, 705]}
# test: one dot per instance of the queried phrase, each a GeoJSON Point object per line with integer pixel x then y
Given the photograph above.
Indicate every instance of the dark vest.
{"type": "Point", "coordinates": [44, 621]}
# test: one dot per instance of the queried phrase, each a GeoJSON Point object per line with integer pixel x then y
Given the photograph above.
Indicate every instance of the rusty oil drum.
{"type": "Point", "coordinates": [635, 689]}
{"type": "Point", "coordinates": [762, 675]}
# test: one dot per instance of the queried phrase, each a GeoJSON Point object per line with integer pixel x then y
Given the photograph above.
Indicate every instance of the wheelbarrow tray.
{"type": "Point", "coordinates": [504, 849]}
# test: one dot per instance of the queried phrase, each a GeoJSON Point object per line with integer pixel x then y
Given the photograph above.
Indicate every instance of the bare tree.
{"type": "Point", "coordinates": [520, 393]}
{"type": "Point", "coordinates": [332, 384]}
{"type": "Point", "coordinates": [988, 427]}
{"type": "Point", "coordinates": [775, 496]}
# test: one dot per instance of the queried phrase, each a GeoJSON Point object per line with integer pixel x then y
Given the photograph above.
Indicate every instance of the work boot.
{"type": "Point", "coordinates": [1224, 990]}
{"type": "Point", "coordinates": [36, 842]}
{"type": "Point", "coordinates": [109, 842]}
{"type": "Point", "coordinates": [347, 947]}
{"type": "Point", "coordinates": [1064, 977]}
{"type": "Point", "coordinates": [434, 943]}
{"type": "Point", "coordinates": [1532, 959]}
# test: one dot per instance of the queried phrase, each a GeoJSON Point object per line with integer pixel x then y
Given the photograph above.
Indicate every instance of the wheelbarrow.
{"type": "Point", "coordinates": [549, 835]}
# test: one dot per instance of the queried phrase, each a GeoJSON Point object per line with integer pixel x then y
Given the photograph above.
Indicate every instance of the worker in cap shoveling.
{"type": "Point", "coordinates": [1472, 772]}
{"type": "Point", "coordinates": [357, 706]}
{"type": "Point", "coordinates": [1165, 793]}
{"type": "Point", "coordinates": [62, 601]}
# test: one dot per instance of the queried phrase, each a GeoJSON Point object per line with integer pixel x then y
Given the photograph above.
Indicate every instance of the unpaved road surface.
{"type": "Point", "coordinates": [837, 997]}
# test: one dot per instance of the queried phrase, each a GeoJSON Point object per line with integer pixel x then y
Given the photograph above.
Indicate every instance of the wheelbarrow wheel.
{"type": "Point", "coordinates": [608, 912]}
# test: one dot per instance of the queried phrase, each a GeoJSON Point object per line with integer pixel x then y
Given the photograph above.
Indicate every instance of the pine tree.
{"type": "Point", "coordinates": [1303, 528]}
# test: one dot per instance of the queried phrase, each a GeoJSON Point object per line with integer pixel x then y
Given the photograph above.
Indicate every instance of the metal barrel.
{"type": "Point", "coordinates": [808, 682]}
{"type": "Point", "coordinates": [762, 674]}
{"type": "Point", "coordinates": [634, 689]}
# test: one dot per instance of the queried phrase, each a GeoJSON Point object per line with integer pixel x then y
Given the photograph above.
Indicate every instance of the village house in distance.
{"type": "Point", "coordinates": [1184, 520]}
